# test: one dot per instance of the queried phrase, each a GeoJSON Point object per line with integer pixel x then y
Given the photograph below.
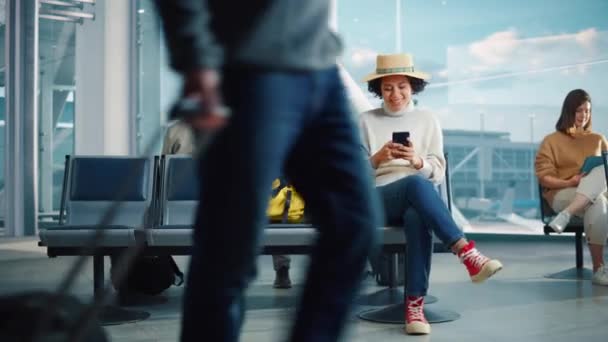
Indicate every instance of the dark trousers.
{"type": "Point", "coordinates": [299, 123]}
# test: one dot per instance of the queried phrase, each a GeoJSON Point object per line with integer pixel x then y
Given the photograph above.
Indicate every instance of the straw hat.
{"type": "Point", "coordinates": [397, 64]}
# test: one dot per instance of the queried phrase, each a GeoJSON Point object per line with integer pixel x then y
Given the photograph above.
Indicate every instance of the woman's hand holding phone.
{"type": "Point", "coordinates": [391, 150]}
{"type": "Point", "coordinates": [408, 152]}
{"type": "Point", "coordinates": [383, 155]}
{"type": "Point", "coordinates": [404, 149]}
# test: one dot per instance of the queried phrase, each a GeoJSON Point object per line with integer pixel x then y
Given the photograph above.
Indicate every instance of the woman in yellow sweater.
{"type": "Point", "coordinates": [568, 191]}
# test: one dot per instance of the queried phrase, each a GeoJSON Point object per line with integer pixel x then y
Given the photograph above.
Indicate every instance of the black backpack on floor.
{"type": "Point", "coordinates": [381, 267]}
{"type": "Point", "coordinates": [149, 275]}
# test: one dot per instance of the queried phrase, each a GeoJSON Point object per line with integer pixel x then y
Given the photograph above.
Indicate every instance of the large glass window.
{"type": "Point", "coordinates": [158, 86]}
{"type": "Point", "coordinates": [56, 110]}
{"type": "Point", "coordinates": [500, 71]}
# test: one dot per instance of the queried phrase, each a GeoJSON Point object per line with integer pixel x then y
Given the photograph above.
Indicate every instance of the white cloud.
{"type": "Point", "coordinates": [582, 69]}
{"type": "Point", "coordinates": [363, 56]}
{"type": "Point", "coordinates": [504, 68]}
{"type": "Point", "coordinates": [505, 51]}
{"type": "Point", "coordinates": [496, 48]}
{"type": "Point", "coordinates": [536, 62]}
{"type": "Point", "coordinates": [587, 37]}
{"type": "Point", "coordinates": [443, 73]}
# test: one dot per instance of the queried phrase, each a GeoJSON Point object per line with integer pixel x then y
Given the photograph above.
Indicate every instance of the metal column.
{"type": "Point", "coordinates": [47, 79]}
{"type": "Point", "coordinates": [21, 163]}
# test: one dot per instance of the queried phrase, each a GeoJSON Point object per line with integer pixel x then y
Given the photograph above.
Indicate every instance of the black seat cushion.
{"type": "Point", "coordinates": [104, 179]}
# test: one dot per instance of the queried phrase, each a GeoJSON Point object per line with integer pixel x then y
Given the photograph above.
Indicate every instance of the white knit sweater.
{"type": "Point", "coordinates": [377, 127]}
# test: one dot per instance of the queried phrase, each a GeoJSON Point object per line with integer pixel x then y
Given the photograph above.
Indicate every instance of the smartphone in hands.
{"type": "Point", "coordinates": [402, 138]}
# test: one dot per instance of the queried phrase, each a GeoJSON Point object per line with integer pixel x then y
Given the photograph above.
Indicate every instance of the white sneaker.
{"type": "Point", "coordinates": [560, 221]}
{"type": "Point", "coordinates": [600, 277]}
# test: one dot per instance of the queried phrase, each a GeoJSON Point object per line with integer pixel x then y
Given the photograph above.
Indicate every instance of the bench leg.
{"type": "Point", "coordinates": [578, 238]}
{"type": "Point", "coordinates": [392, 294]}
{"type": "Point", "coordinates": [110, 314]}
{"type": "Point", "coordinates": [394, 270]}
{"type": "Point", "coordinates": [98, 275]}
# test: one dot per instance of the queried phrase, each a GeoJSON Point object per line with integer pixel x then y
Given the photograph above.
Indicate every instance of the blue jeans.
{"type": "Point", "coordinates": [415, 203]}
{"type": "Point", "coordinates": [299, 123]}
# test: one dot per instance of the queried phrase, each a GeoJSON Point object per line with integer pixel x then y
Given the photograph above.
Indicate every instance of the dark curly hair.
{"type": "Point", "coordinates": [375, 86]}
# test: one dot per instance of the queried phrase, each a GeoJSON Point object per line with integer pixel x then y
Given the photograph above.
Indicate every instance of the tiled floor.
{"type": "Point", "coordinates": [519, 304]}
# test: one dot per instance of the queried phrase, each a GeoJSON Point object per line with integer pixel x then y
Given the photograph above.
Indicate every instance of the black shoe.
{"type": "Point", "coordinates": [281, 280]}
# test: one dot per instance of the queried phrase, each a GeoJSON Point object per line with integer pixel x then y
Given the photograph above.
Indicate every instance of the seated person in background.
{"type": "Point", "coordinates": [405, 176]}
{"type": "Point", "coordinates": [558, 168]}
{"type": "Point", "coordinates": [179, 139]}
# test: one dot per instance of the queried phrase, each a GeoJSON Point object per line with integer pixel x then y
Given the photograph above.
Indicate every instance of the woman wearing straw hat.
{"type": "Point", "coordinates": [406, 171]}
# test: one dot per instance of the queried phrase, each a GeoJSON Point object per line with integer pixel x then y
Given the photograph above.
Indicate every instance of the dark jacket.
{"type": "Point", "coordinates": [273, 34]}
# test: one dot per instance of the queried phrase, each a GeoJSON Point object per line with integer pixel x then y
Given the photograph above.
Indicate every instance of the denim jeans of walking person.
{"type": "Point", "coordinates": [415, 203]}
{"type": "Point", "coordinates": [299, 122]}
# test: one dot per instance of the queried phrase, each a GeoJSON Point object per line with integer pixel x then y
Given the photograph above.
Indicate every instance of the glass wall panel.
{"type": "Point", "coordinates": [56, 110]}
{"type": "Point", "coordinates": [158, 85]}
{"type": "Point", "coordinates": [500, 71]}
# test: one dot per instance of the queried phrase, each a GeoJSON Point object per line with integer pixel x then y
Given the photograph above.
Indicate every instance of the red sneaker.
{"type": "Point", "coordinates": [479, 266]}
{"type": "Point", "coordinates": [415, 323]}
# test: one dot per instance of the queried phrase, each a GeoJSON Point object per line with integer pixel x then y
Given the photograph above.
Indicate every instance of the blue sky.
{"type": "Point", "coordinates": [510, 59]}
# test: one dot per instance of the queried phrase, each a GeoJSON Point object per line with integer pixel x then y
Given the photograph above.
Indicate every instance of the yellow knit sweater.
{"type": "Point", "coordinates": [561, 155]}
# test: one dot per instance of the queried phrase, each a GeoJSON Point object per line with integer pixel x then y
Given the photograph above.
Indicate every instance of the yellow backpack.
{"type": "Point", "coordinates": [286, 205]}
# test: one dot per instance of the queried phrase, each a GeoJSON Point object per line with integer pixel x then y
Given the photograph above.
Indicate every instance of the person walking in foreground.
{"type": "Point", "coordinates": [289, 112]}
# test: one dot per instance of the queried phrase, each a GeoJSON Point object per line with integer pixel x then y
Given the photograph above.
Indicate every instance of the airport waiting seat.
{"type": "Point", "coordinates": [91, 185]}
{"type": "Point", "coordinates": [576, 227]}
{"type": "Point", "coordinates": [177, 201]}
{"type": "Point", "coordinates": [177, 206]}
